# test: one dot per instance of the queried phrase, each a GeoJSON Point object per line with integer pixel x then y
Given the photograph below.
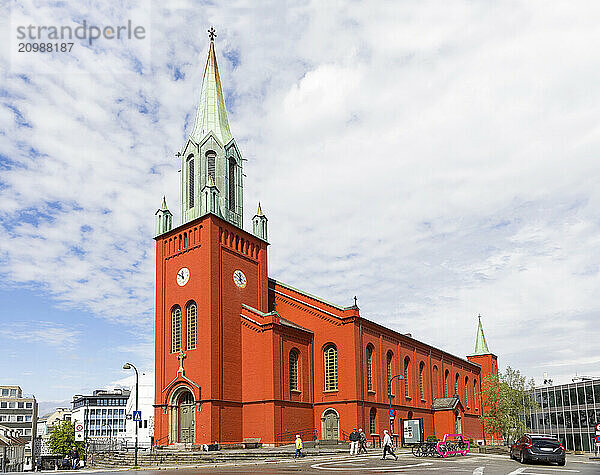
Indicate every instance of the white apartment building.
{"type": "Point", "coordinates": [145, 404]}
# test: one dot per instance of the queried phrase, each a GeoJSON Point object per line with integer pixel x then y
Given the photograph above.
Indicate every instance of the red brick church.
{"type": "Point", "coordinates": [241, 355]}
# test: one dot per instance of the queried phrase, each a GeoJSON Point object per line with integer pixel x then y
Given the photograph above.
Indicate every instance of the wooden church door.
{"type": "Point", "coordinates": [331, 426]}
{"type": "Point", "coordinates": [186, 419]}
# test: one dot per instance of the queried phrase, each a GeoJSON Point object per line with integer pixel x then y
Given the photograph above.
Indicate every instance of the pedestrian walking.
{"type": "Point", "coordinates": [354, 439]}
{"type": "Point", "coordinates": [299, 446]}
{"type": "Point", "coordinates": [387, 445]}
{"type": "Point", "coordinates": [74, 458]}
{"type": "Point", "coordinates": [362, 442]}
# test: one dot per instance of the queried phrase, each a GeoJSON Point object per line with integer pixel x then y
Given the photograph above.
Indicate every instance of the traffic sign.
{"type": "Point", "coordinates": [137, 415]}
{"type": "Point", "coordinates": [392, 413]}
{"type": "Point", "coordinates": [597, 427]}
{"type": "Point", "coordinates": [78, 431]}
{"type": "Point", "coordinates": [598, 439]}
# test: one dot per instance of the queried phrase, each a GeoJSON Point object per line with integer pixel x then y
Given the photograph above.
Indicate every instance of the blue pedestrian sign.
{"type": "Point", "coordinates": [598, 439]}
{"type": "Point", "coordinates": [392, 413]}
{"type": "Point", "coordinates": [137, 415]}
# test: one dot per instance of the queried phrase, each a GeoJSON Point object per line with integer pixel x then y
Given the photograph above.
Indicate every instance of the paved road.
{"type": "Point", "coordinates": [474, 464]}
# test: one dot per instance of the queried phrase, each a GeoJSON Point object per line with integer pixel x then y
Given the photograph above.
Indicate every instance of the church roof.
{"type": "Point", "coordinates": [481, 347]}
{"type": "Point", "coordinates": [211, 114]}
{"type": "Point", "coordinates": [445, 403]}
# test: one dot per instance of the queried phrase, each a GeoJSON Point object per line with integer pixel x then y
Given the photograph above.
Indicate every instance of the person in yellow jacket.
{"type": "Point", "coordinates": [298, 447]}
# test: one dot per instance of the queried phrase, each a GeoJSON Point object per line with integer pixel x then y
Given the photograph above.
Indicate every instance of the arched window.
{"type": "Point", "coordinates": [210, 164]}
{"type": "Point", "coordinates": [435, 377]}
{"type": "Point", "coordinates": [467, 391]}
{"type": "Point", "coordinates": [421, 390]}
{"type": "Point", "coordinates": [475, 394]}
{"type": "Point", "coordinates": [191, 177]}
{"type": "Point", "coordinates": [406, 376]}
{"type": "Point", "coordinates": [388, 359]}
{"type": "Point", "coordinates": [191, 326]}
{"type": "Point", "coordinates": [330, 357]}
{"type": "Point", "coordinates": [369, 368]}
{"type": "Point", "coordinates": [456, 384]}
{"type": "Point", "coordinates": [373, 420]}
{"type": "Point", "coordinates": [232, 173]}
{"type": "Point", "coordinates": [175, 329]}
{"type": "Point", "coordinates": [294, 370]}
{"type": "Point", "coordinates": [446, 374]}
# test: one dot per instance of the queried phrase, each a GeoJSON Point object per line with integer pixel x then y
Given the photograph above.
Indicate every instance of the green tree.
{"type": "Point", "coordinates": [62, 439]}
{"type": "Point", "coordinates": [506, 400]}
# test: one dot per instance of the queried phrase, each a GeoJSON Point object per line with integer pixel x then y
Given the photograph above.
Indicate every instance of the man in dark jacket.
{"type": "Point", "coordinates": [354, 438]}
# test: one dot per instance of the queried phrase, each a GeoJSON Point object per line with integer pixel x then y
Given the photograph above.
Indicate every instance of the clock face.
{"type": "Point", "coordinates": [183, 275]}
{"type": "Point", "coordinates": [239, 279]}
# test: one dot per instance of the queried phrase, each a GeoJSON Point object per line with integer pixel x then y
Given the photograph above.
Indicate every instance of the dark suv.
{"type": "Point", "coordinates": [538, 448]}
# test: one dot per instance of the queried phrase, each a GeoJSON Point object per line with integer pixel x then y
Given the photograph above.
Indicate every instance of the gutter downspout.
{"type": "Point", "coordinates": [362, 389]}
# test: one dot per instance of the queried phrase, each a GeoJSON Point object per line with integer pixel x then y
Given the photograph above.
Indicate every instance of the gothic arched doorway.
{"type": "Point", "coordinates": [182, 416]}
{"type": "Point", "coordinates": [330, 425]}
{"type": "Point", "coordinates": [186, 417]}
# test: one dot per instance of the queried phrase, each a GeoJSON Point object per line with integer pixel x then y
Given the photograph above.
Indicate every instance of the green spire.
{"type": "Point", "coordinates": [211, 114]}
{"type": "Point", "coordinates": [164, 204]}
{"type": "Point", "coordinates": [481, 347]}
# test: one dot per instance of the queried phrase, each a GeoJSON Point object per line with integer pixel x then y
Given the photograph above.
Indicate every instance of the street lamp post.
{"type": "Point", "coordinates": [137, 395]}
{"type": "Point", "coordinates": [399, 376]}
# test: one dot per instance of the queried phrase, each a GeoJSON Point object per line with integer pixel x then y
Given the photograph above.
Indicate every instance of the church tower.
{"type": "Point", "coordinates": [208, 269]}
{"type": "Point", "coordinates": [210, 153]}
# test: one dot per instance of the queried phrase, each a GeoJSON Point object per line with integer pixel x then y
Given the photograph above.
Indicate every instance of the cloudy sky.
{"type": "Point", "coordinates": [438, 159]}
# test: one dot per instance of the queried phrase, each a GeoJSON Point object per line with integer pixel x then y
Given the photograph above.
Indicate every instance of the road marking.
{"type": "Point", "coordinates": [388, 468]}
{"type": "Point", "coordinates": [522, 470]}
{"type": "Point", "coordinates": [478, 471]}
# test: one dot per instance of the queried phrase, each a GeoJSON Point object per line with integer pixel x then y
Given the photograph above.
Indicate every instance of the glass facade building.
{"type": "Point", "coordinates": [102, 413]}
{"type": "Point", "coordinates": [569, 411]}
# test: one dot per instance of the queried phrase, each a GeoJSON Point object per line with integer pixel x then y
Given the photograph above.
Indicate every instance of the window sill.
{"type": "Point", "coordinates": [330, 390]}
{"type": "Point", "coordinates": [407, 397]}
{"type": "Point", "coordinates": [423, 400]}
{"type": "Point", "coordinates": [295, 391]}
{"type": "Point", "coordinates": [370, 391]}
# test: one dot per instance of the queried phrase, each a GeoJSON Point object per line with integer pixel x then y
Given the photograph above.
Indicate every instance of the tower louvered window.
{"type": "Point", "coordinates": [232, 172]}
{"type": "Point", "coordinates": [190, 173]}
{"type": "Point", "coordinates": [210, 163]}
{"type": "Point", "coordinates": [191, 326]}
{"type": "Point", "coordinates": [331, 377]}
{"type": "Point", "coordinates": [369, 368]}
{"type": "Point", "coordinates": [294, 370]}
{"type": "Point", "coordinates": [175, 330]}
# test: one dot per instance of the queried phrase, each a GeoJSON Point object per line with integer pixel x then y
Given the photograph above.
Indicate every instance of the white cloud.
{"type": "Point", "coordinates": [436, 159]}
{"type": "Point", "coordinates": [48, 333]}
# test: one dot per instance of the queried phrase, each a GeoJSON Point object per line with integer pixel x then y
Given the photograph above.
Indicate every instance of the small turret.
{"type": "Point", "coordinates": [210, 197]}
{"type": "Point", "coordinates": [259, 224]}
{"type": "Point", "coordinates": [164, 219]}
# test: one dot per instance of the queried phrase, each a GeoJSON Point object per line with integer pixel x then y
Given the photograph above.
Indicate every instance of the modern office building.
{"type": "Point", "coordinates": [18, 413]}
{"type": "Point", "coordinates": [102, 413]}
{"type": "Point", "coordinates": [569, 411]}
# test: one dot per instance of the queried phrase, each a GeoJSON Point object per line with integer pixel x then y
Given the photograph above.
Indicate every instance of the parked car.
{"type": "Point", "coordinates": [538, 448]}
